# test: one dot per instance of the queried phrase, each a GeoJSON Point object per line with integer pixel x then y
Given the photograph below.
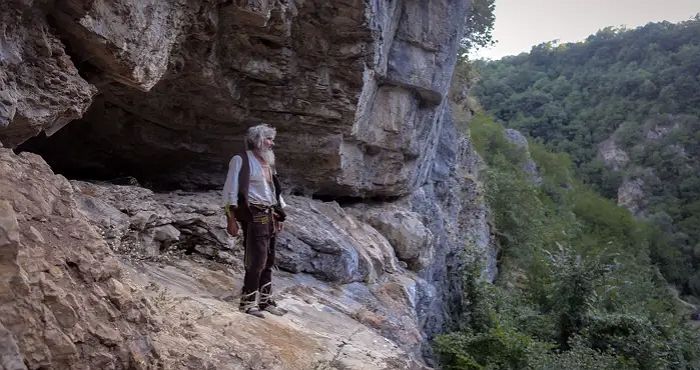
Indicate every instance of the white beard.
{"type": "Point", "coordinates": [269, 156]}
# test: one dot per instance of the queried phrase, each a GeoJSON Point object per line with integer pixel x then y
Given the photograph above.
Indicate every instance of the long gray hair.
{"type": "Point", "coordinates": [256, 134]}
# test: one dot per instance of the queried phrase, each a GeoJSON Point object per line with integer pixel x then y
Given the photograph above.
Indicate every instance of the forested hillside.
{"type": "Point", "coordinates": [625, 106]}
{"type": "Point", "coordinates": [576, 289]}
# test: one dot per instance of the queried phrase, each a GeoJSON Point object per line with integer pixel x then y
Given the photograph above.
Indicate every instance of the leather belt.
{"type": "Point", "coordinates": [262, 207]}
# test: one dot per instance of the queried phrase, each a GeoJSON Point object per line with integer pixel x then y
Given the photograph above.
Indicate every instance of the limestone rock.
{"type": "Point", "coordinates": [320, 238]}
{"type": "Point", "coordinates": [50, 290]}
{"type": "Point", "coordinates": [451, 206]}
{"type": "Point", "coordinates": [10, 357]}
{"type": "Point", "coordinates": [71, 303]}
{"type": "Point", "coordinates": [631, 195]}
{"type": "Point", "coordinates": [92, 275]}
{"type": "Point", "coordinates": [356, 89]}
{"type": "Point", "coordinates": [613, 156]}
{"type": "Point", "coordinates": [362, 288]}
{"type": "Point", "coordinates": [130, 41]}
{"type": "Point", "coordinates": [330, 242]}
{"type": "Point", "coordinates": [529, 166]}
{"type": "Point", "coordinates": [40, 89]}
{"type": "Point", "coordinates": [352, 326]}
{"type": "Point", "coordinates": [411, 240]}
{"type": "Point", "coordinates": [324, 240]}
{"type": "Point", "coordinates": [143, 224]}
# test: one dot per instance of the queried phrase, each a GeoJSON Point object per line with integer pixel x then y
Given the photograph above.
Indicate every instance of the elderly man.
{"type": "Point", "coordinates": [252, 197]}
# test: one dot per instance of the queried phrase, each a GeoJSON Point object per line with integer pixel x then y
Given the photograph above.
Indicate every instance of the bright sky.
{"type": "Point", "coordinates": [520, 24]}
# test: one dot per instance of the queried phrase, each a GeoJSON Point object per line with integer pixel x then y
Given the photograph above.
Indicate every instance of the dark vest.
{"type": "Point", "coordinates": [242, 212]}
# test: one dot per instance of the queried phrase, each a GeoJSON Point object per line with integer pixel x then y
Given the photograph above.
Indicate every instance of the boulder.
{"type": "Point", "coordinates": [411, 240]}
{"type": "Point", "coordinates": [529, 166]}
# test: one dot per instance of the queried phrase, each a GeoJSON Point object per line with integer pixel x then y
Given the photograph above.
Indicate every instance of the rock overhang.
{"type": "Point", "coordinates": [355, 89]}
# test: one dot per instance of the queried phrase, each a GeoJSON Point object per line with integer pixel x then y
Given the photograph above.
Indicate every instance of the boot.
{"type": "Point", "coordinates": [271, 307]}
{"type": "Point", "coordinates": [249, 305]}
{"type": "Point", "coordinates": [254, 311]}
{"type": "Point", "coordinates": [267, 303]}
{"type": "Point", "coordinates": [277, 311]}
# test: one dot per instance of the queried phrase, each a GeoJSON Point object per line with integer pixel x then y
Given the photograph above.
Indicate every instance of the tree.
{"type": "Point", "coordinates": [479, 26]}
{"type": "Point", "coordinates": [639, 87]}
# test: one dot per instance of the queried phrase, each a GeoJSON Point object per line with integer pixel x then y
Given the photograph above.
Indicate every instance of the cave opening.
{"type": "Point", "coordinates": [74, 165]}
{"type": "Point", "coordinates": [111, 144]}
{"type": "Point", "coordinates": [70, 151]}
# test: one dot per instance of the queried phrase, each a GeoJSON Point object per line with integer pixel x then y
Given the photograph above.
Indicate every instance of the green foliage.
{"type": "Point", "coordinates": [575, 281]}
{"type": "Point", "coordinates": [521, 217]}
{"type": "Point", "coordinates": [497, 348]}
{"type": "Point", "coordinates": [479, 25]}
{"type": "Point", "coordinates": [576, 289]}
{"type": "Point", "coordinates": [579, 357]}
{"type": "Point", "coordinates": [641, 88]}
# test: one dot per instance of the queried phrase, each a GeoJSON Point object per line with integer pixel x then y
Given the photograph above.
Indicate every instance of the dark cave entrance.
{"type": "Point", "coordinates": [73, 161]}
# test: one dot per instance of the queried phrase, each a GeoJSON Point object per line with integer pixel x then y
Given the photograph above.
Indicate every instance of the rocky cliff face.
{"type": "Point", "coordinates": [355, 88]}
{"type": "Point", "coordinates": [529, 166]}
{"type": "Point", "coordinates": [638, 163]}
{"type": "Point", "coordinates": [160, 90]}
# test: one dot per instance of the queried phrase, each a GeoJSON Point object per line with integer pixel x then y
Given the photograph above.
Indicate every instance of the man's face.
{"type": "Point", "coordinates": [268, 143]}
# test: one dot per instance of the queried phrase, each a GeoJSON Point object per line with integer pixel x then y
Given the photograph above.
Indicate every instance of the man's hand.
{"type": "Point", "coordinates": [232, 226]}
{"type": "Point", "coordinates": [278, 222]}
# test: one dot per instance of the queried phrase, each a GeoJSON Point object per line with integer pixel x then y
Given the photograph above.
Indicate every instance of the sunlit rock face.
{"type": "Point", "coordinates": [355, 88]}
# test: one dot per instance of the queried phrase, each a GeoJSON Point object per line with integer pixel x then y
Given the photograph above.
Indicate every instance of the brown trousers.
{"type": "Point", "coordinates": [259, 241]}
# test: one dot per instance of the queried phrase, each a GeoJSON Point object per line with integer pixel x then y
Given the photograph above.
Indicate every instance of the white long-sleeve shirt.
{"type": "Point", "coordinates": [260, 191]}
